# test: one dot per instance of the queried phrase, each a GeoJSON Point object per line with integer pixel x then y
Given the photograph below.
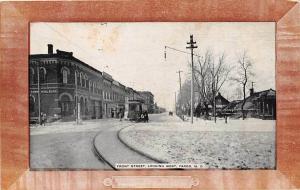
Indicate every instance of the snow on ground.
{"type": "Point", "coordinates": [209, 125]}
{"type": "Point", "coordinates": [238, 144]}
{"type": "Point", "coordinates": [66, 127]}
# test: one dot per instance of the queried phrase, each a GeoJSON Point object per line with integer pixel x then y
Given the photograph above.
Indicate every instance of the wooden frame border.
{"type": "Point", "coordinates": [15, 18]}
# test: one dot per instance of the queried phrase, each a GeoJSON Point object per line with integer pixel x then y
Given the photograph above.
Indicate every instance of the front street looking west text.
{"type": "Point", "coordinates": [100, 144]}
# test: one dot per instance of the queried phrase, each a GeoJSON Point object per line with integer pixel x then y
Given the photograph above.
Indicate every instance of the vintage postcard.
{"type": "Point", "coordinates": [150, 94]}
{"type": "Point", "coordinates": [156, 95]}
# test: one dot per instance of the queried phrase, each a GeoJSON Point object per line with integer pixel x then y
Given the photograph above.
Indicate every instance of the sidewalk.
{"type": "Point", "coordinates": [71, 126]}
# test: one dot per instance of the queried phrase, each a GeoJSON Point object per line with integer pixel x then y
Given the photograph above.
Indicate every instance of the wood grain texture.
{"type": "Point", "coordinates": [15, 18]}
{"type": "Point", "coordinates": [288, 94]}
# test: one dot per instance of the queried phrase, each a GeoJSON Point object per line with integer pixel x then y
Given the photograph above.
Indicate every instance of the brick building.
{"type": "Point", "coordinates": [149, 100]}
{"type": "Point", "coordinates": [65, 81]}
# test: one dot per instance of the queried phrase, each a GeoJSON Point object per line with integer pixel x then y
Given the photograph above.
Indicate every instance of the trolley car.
{"type": "Point", "coordinates": [134, 110]}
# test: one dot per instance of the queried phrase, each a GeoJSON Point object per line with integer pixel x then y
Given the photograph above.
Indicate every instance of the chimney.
{"type": "Point", "coordinates": [251, 91]}
{"type": "Point", "coordinates": [50, 49]}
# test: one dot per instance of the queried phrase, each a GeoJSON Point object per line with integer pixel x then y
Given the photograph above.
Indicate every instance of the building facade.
{"type": "Point", "coordinates": [63, 87]}
{"type": "Point", "coordinates": [148, 100]}
{"type": "Point", "coordinates": [260, 104]}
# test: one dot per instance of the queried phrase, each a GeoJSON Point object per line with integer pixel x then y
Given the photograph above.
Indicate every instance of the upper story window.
{"type": "Point", "coordinates": [90, 85]}
{"type": "Point", "coordinates": [94, 87]}
{"type": "Point", "coordinates": [42, 74]}
{"type": "Point", "coordinates": [85, 80]}
{"type": "Point", "coordinates": [31, 76]}
{"type": "Point", "coordinates": [81, 78]}
{"type": "Point", "coordinates": [65, 76]}
{"type": "Point", "coordinates": [65, 72]}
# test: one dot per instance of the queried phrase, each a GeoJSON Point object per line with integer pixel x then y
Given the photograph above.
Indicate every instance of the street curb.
{"type": "Point", "coordinates": [98, 154]}
{"type": "Point", "coordinates": [139, 151]}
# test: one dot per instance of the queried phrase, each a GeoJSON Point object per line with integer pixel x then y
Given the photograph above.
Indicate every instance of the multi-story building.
{"type": "Point", "coordinates": [59, 82]}
{"type": "Point", "coordinates": [118, 95]}
{"type": "Point", "coordinates": [108, 105]}
{"type": "Point", "coordinates": [148, 100]}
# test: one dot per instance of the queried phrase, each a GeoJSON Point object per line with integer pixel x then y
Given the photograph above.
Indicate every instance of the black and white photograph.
{"type": "Point", "coordinates": [152, 95]}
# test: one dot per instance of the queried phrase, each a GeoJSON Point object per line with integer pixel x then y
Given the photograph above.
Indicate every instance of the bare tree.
{"type": "Point", "coordinates": [202, 77]}
{"type": "Point", "coordinates": [219, 73]}
{"type": "Point", "coordinates": [185, 94]}
{"type": "Point", "coordinates": [210, 77]}
{"type": "Point", "coordinates": [244, 72]}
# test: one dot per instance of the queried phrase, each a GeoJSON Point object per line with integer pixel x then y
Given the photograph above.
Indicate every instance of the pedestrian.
{"type": "Point", "coordinates": [146, 116]}
{"type": "Point", "coordinates": [120, 115]}
{"type": "Point", "coordinates": [142, 117]}
{"type": "Point", "coordinates": [43, 118]}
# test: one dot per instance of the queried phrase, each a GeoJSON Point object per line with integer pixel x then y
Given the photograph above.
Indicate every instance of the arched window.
{"type": "Point", "coordinates": [99, 86]}
{"type": "Point", "coordinates": [65, 72]}
{"type": "Point", "coordinates": [31, 76]}
{"type": "Point", "coordinates": [90, 85]}
{"type": "Point", "coordinates": [81, 79]}
{"type": "Point", "coordinates": [94, 87]}
{"type": "Point", "coordinates": [43, 73]}
{"type": "Point", "coordinates": [65, 76]}
{"type": "Point", "coordinates": [85, 80]}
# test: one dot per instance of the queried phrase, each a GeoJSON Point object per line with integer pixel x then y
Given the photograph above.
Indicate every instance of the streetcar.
{"type": "Point", "coordinates": [134, 110]}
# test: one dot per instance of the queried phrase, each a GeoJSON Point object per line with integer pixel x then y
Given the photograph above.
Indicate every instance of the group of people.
{"type": "Point", "coordinates": [144, 116]}
{"type": "Point", "coordinates": [121, 114]}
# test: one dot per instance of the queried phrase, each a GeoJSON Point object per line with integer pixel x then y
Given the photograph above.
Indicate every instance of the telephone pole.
{"type": "Point", "coordinates": [77, 111]}
{"type": "Point", "coordinates": [175, 104]}
{"type": "Point", "coordinates": [180, 95]}
{"type": "Point", "coordinates": [192, 46]}
{"type": "Point", "coordinates": [39, 92]}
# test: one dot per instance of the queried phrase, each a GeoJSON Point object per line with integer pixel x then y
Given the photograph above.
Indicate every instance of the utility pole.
{"type": "Point", "coordinates": [76, 99]}
{"type": "Point", "coordinates": [39, 91]}
{"type": "Point", "coordinates": [191, 46]}
{"type": "Point", "coordinates": [180, 95]}
{"type": "Point", "coordinates": [175, 104]}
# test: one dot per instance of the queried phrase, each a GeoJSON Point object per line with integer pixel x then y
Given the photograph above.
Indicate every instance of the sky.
{"type": "Point", "coordinates": [133, 53]}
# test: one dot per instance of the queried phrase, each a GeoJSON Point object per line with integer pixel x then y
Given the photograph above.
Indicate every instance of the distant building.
{"type": "Point", "coordinates": [258, 104]}
{"type": "Point", "coordinates": [149, 100]}
{"type": "Point", "coordinates": [231, 107]}
{"type": "Point", "coordinates": [221, 103]}
{"type": "Point", "coordinates": [108, 104]}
